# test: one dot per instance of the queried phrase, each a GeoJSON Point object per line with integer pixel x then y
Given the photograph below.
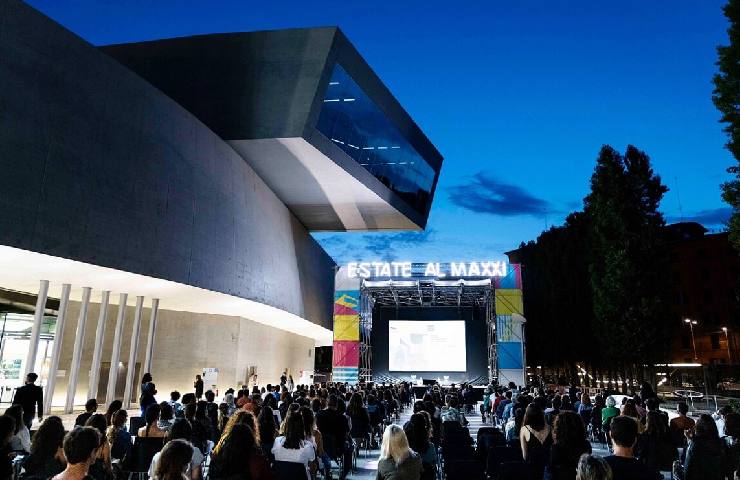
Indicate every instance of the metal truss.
{"type": "Point", "coordinates": [425, 293]}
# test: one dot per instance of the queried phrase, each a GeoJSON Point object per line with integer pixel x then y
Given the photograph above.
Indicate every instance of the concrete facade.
{"type": "Point", "coordinates": [100, 167]}
{"type": "Point", "coordinates": [185, 343]}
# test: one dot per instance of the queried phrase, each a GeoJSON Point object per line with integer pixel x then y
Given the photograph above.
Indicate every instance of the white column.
{"type": "Point", "coordinates": [131, 367]}
{"type": "Point", "coordinates": [56, 350]}
{"type": "Point", "coordinates": [38, 317]}
{"type": "Point", "coordinates": [150, 339]}
{"type": "Point", "coordinates": [116, 355]}
{"type": "Point", "coordinates": [74, 368]}
{"type": "Point", "coordinates": [92, 389]}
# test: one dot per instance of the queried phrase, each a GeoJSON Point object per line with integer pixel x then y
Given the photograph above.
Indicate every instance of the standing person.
{"type": "Point", "coordinates": [623, 463]}
{"type": "Point", "coordinates": [148, 390]}
{"type": "Point", "coordinates": [397, 460]}
{"type": "Point", "coordinates": [81, 450]}
{"type": "Point", "coordinates": [198, 385]}
{"type": "Point", "coordinates": [31, 397]}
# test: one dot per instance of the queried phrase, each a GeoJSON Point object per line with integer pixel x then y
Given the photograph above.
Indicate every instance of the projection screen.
{"type": "Point", "coordinates": [426, 346]}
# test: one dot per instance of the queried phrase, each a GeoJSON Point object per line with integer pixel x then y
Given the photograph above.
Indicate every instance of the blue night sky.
{"type": "Point", "coordinates": [517, 96]}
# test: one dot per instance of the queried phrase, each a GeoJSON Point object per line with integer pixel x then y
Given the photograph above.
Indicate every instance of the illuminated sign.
{"type": "Point", "coordinates": [431, 269]}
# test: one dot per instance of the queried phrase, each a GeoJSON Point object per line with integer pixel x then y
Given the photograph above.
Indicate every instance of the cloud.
{"type": "Point", "coordinates": [346, 247]}
{"type": "Point", "coordinates": [716, 216]}
{"type": "Point", "coordinates": [485, 194]}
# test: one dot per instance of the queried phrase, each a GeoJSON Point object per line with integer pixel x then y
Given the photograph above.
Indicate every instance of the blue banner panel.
{"type": "Point", "coordinates": [509, 355]}
{"type": "Point", "coordinates": [346, 374]}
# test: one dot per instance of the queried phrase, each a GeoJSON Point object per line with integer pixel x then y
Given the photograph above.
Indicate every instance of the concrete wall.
{"type": "Point", "coordinates": [185, 343]}
{"type": "Point", "coordinates": [99, 166]}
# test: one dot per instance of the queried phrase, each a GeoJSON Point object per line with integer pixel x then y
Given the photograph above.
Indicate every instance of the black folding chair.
{"type": "Point", "coordinates": [135, 423]}
{"type": "Point", "coordinates": [499, 455]}
{"type": "Point", "coordinates": [289, 470]}
{"type": "Point", "coordinates": [464, 470]}
{"type": "Point", "coordinates": [516, 471]}
{"type": "Point", "coordinates": [138, 461]}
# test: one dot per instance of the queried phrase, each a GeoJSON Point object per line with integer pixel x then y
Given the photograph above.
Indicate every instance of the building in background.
{"type": "Point", "coordinates": [158, 200]}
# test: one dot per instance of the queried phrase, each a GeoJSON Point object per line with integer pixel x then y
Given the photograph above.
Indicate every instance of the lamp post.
{"type": "Point", "coordinates": [727, 339]}
{"type": "Point", "coordinates": [693, 342]}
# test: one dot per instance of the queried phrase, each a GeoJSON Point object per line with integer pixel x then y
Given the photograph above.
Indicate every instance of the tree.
{"type": "Point", "coordinates": [726, 98]}
{"type": "Point", "coordinates": [627, 265]}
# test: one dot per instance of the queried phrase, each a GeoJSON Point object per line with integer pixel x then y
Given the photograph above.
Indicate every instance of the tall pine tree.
{"type": "Point", "coordinates": [627, 264]}
{"type": "Point", "coordinates": [726, 97]}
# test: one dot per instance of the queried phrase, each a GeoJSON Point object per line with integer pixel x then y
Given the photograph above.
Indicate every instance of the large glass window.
{"type": "Point", "coordinates": [356, 125]}
{"type": "Point", "coordinates": [15, 335]}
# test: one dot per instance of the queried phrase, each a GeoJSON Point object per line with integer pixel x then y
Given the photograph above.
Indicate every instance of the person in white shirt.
{"type": "Point", "coordinates": [292, 445]}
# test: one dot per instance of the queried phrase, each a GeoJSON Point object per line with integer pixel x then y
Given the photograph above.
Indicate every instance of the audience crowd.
{"type": "Point", "coordinates": [289, 431]}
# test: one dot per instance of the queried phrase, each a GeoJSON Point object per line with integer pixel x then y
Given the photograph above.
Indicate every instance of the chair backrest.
{"type": "Point", "coordinates": [499, 455]}
{"type": "Point", "coordinates": [516, 471]}
{"type": "Point", "coordinates": [289, 471]}
{"type": "Point", "coordinates": [135, 423]}
{"type": "Point", "coordinates": [142, 453]}
{"type": "Point", "coordinates": [463, 470]}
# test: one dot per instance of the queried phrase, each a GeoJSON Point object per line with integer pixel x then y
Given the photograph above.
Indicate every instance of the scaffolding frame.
{"type": "Point", "coordinates": [425, 292]}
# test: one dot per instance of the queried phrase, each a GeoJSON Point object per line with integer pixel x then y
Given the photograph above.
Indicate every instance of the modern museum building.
{"type": "Point", "coordinates": [157, 200]}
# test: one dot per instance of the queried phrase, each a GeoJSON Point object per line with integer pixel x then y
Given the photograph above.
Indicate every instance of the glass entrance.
{"type": "Point", "coordinates": [15, 336]}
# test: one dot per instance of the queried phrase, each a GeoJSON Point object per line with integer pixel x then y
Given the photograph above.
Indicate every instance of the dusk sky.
{"type": "Point", "coordinates": [517, 96]}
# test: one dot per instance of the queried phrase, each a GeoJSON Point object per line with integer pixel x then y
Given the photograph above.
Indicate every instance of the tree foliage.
{"type": "Point", "coordinates": [627, 264]}
{"type": "Point", "coordinates": [726, 97]}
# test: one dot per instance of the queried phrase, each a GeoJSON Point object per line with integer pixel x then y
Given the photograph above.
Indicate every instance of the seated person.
{"type": "Point", "coordinates": [623, 463]}
{"type": "Point", "coordinates": [80, 449]}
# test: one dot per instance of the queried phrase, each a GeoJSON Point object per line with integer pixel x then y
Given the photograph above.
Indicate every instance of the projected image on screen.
{"type": "Point", "coordinates": [425, 346]}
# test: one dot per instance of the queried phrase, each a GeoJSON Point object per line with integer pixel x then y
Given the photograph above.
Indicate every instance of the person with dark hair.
{"type": "Point", "coordinates": [568, 444]}
{"type": "Point", "coordinates": [535, 439]}
{"type": "Point", "coordinates": [680, 424]}
{"type": "Point", "coordinates": [151, 428]}
{"type": "Point", "coordinates": [623, 463]}
{"type": "Point", "coordinates": [212, 410]}
{"type": "Point", "coordinates": [181, 430]}
{"type": "Point", "coordinates": [705, 456]}
{"type": "Point", "coordinates": [359, 419]}
{"type": "Point", "coordinates": [21, 441]}
{"type": "Point", "coordinates": [114, 406]}
{"type": "Point", "coordinates": [101, 469]}
{"type": "Point", "coordinates": [91, 406]}
{"type": "Point", "coordinates": [81, 446]}
{"type": "Point", "coordinates": [177, 408]}
{"type": "Point", "coordinates": [239, 457]}
{"type": "Point", "coordinates": [268, 431]}
{"type": "Point", "coordinates": [174, 460]}
{"type": "Point", "coordinates": [418, 434]}
{"type": "Point", "coordinates": [118, 435]}
{"type": "Point", "coordinates": [655, 447]}
{"type": "Point", "coordinates": [198, 385]}
{"type": "Point", "coordinates": [47, 455]}
{"type": "Point", "coordinates": [7, 430]}
{"type": "Point", "coordinates": [314, 436]}
{"type": "Point", "coordinates": [292, 446]}
{"type": "Point", "coordinates": [148, 390]}
{"type": "Point", "coordinates": [31, 397]}
{"type": "Point", "coordinates": [593, 468]}
{"type": "Point", "coordinates": [196, 415]}
{"type": "Point", "coordinates": [166, 416]}
{"type": "Point", "coordinates": [334, 428]}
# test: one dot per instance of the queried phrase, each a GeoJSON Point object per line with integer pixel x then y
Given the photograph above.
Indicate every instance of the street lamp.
{"type": "Point", "coordinates": [727, 339]}
{"type": "Point", "coordinates": [691, 326]}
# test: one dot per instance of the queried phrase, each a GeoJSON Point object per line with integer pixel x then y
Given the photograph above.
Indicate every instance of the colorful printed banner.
{"type": "Point", "coordinates": [346, 353]}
